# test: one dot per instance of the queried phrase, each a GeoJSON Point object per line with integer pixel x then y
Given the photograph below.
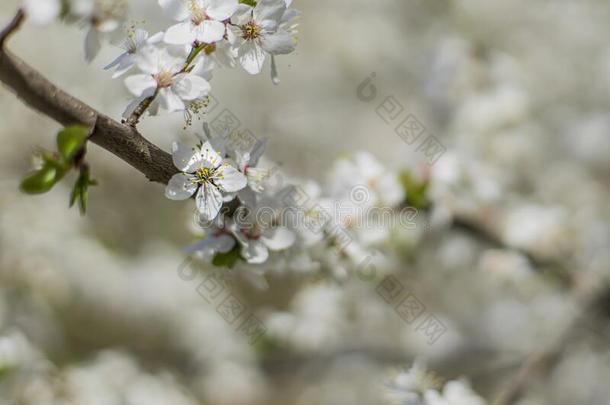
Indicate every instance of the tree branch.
{"type": "Point", "coordinates": [121, 140]}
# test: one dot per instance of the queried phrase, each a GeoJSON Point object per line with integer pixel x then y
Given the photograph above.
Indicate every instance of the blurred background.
{"type": "Point", "coordinates": [513, 258]}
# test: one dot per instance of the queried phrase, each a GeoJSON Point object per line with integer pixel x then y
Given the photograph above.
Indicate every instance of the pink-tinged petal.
{"type": "Point", "coordinates": [138, 84]}
{"type": "Point", "coordinates": [278, 239]}
{"type": "Point", "coordinates": [209, 201]}
{"type": "Point", "coordinates": [176, 9]}
{"type": "Point", "coordinates": [181, 187]}
{"type": "Point", "coordinates": [180, 34]}
{"type": "Point", "coordinates": [229, 179]}
{"type": "Point", "coordinates": [221, 9]}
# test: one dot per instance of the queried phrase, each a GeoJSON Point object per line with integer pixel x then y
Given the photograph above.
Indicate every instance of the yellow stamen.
{"type": "Point", "coordinates": [250, 31]}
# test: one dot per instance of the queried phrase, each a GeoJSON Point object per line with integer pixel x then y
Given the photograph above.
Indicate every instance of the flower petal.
{"type": "Point", "coordinates": [180, 187]}
{"type": "Point", "coordinates": [269, 12]}
{"type": "Point", "coordinates": [209, 157]}
{"type": "Point", "coordinates": [186, 158]}
{"type": "Point", "coordinates": [214, 244]}
{"type": "Point", "coordinates": [229, 179]}
{"type": "Point", "coordinates": [180, 34]}
{"type": "Point", "coordinates": [126, 63]}
{"type": "Point", "coordinates": [116, 62]}
{"type": "Point", "coordinates": [92, 44]}
{"type": "Point", "coordinates": [251, 58]}
{"type": "Point", "coordinates": [221, 9]}
{"type": "Point", "coordinates": [170, 100]}
{"type": "Point", "coordinates": [255, 252]}
{"type": "Point", "coordinates": [242, 15]}
{"type": "Point", "coordinates": [278, 239]}
{"type": "Point", "coordinates": [191, 87]}
{"type": "Point", "coordinates": [209, 201]}
{"type": "Point", "coordinates": [279, 43]}
{"type": "Point", "coordinates": [138, 84]}
{"type": "Point", "coordinates": [211, 31]}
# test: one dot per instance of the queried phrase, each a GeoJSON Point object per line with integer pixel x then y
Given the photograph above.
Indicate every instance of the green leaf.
{"type": "Point", "coordinates": [70, 140]}
{"type": "Point", "coordinates": [251, 3]}
{"type": "Point", "coordinates": [80, 191]}
{"type": "Point", "coordinates": [416, 190]}
{"type": "Point", "coordinates": [42, 180]}
{"type": "Point", "coordinates": [227, 259]}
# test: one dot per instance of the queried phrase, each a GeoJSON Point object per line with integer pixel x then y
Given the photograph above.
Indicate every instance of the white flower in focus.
{"type": "Point", "coordinates": [205, 175]}
{"type": "Point", "coordinates": [260, 32]}
{"type": "Point", "coordinates": [163, 75]}
{"type": "Point", "coordinates": [42, 12]}
{"type": "Point", "coordinates": [200, 20]}
{"type": "Point", "coordinates": [136, 39]}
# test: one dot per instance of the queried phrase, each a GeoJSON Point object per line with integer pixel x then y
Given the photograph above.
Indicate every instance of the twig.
{"type": "Point", "coordinates": [135, 116]}
{"type": "Point", "coordinates": [11, 27]}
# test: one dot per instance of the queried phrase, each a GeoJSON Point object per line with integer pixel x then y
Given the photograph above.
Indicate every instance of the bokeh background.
{"type": "Point", "coordinates": [93, 310]}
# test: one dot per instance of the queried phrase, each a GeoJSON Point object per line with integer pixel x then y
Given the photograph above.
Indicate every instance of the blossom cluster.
{"type": "Point", "coordinates": [175, 66]}
{"type": "Point", "coordinates": [242, 203]}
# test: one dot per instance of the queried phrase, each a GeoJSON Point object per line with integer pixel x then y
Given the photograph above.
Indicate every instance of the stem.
{"type": "Point", "coordinates": [12, 27]}
{"type": "Point", "coordinates": [195, 51]}
{"type": "Point", "coordinates": [135, 116]}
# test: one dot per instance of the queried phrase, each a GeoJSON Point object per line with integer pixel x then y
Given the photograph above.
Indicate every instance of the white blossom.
{"type": "Point", "coordinates": [205, 175]}
{"type": "Point", "coordinates": [200, 20]}
{"type": "Point", "coordinates": [259, 32]}
{"type": "Point", "coordinates": [162, 75]}
{"type": "Point", "coordinates": [135, 41]}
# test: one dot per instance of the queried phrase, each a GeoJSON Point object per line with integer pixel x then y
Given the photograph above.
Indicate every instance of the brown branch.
{"type": "Point", "coordinates": [36, 91]}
